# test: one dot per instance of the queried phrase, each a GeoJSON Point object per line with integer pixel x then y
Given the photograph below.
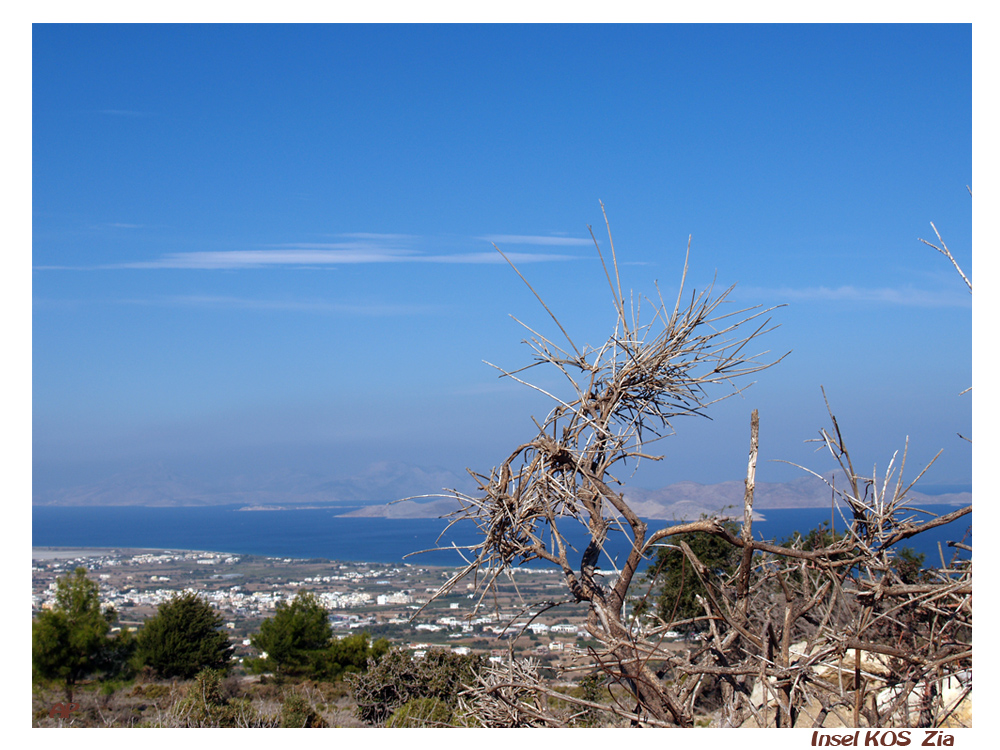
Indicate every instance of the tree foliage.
{"type": "Point", "coordinates": [70, 641]}
{"type": "Point", "coordinates": [820, 537]}
{"type": "Point", "coordinates": [298, 641]}
{"type": "Point", "coordinates": [294, 636]}
{"type": "Point", "coordinates": [184, 637]}
{"type": "Point", "coordinates": [349, 655]}
{"type": "Point", "coordinates": [677, 582]}
{"type": "Point", "coordinates": [910, 566]}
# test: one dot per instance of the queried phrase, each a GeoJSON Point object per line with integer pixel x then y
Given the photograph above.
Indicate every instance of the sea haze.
{"type": "Point", "coordinates": [321, 533]}
{"type": "Point", "coordinates": [378, 489]}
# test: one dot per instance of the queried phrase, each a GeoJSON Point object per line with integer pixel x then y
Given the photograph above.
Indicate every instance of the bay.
{"type": "Point", "coordinates": [320, 533]}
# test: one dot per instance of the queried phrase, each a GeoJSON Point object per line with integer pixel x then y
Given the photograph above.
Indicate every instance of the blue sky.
{"type": "Point", "coordinates": [266, 249]}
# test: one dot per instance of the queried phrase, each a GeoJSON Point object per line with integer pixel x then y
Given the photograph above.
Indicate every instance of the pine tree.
{"type": "Point", "coordinates": [70, 641]}
{"type": "Point", "coordinates": [184, 637]}
{"type": "Point", "coordinates": [679, 586]}
{"type": "Point", "coordinates": [295, 635]}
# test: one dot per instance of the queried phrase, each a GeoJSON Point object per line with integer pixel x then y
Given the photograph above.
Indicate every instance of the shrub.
{"type": "Point", "coordinates": [297, 713]}
{"type": "Point", "coordinates": [399, 678]}
{"type": "Point", "coordinates": [421, 712]}
{"type": "Point", "coordinates": [206, 705]}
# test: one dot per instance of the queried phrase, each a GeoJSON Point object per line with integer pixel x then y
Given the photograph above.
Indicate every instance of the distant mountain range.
{"type": "Point", "coordinates": [379, 487]}
{"type": "Point", "coordinates": [691, 500]}
{"type": "Point", "coordinates": [688, 500]}
{"type": "Point", "coordinates": [157, 485]}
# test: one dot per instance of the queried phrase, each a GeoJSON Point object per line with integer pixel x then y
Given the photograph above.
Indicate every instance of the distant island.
{"type": "Point", "coordinates": [682, 500]}
{"type": "Point", "coordinates": [283, 507]}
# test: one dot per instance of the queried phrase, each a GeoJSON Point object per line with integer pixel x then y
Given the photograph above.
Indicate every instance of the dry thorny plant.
{"type": "Point", "coordinates": [797, 637]}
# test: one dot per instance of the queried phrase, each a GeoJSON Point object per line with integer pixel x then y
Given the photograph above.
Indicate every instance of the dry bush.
{"type": "Point", "coordinates": [797, 636]}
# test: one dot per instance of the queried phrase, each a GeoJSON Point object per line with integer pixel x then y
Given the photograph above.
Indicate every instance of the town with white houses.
{"type": "Point", "coordinates": [396, 602]}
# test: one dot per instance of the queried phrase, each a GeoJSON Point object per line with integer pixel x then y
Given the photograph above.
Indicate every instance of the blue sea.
{"type": "Point", "coordinates": [319, 533]}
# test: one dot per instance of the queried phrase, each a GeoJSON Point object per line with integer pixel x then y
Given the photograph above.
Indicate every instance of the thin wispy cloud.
{"type": "Point", "coordinates": [317, 256]}
{"type": "Point", "coordinates": [317, 306]}
{"type": "Point", "coordinates": [907, 296]}
{"type": "Point", "coordinates": [66, 268]}
{"type": "Point", "coordinates": [359, 248]}
{"type": "Point", "coordinates": [304, 256]}
{"type": "Point", "coordinates": [336, 246]}
{"type": "Point", "coordinates": [494, 257]}
{"type": "Point", "coordinates": [305, 306]}
{"type": "Point", "coordinates": [532, 239]}
{"type": "Point", "coordinates": [376, 236]}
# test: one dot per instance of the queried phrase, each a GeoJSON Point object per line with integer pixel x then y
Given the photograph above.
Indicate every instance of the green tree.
{"type": "Point", "coordinates": [817, 538]}
{"type": "Point", "coordinates": [295, 637]}
{"type": "Point", "coordinates": [910, 565]}
{"type": "Point", "coordinates": [592, 688]}
{"type": "Point", "coordinates": [70, 641]}
{"type": "Point", "coordinates": [117, 658]}
{"type": "Point", "coordinates": [676, 580]}
{"type": "Point", "coordinates": [351, 654]}
{"type": "Point", "coordinates": [183, 638]}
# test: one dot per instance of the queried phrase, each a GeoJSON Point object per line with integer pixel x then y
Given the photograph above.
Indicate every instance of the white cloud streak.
{"type": "Point", "coordinates": [304, 256]}
{"type": "Point", "coordinates": [306, 306]}
{"type": "Point", "coordinates": [906, 296]}
{"type": "Point", "coordinates": [360, 248]}
{"type": "Point", "coordinates": [376, 236]}
{"type": "Point", "coordinates": [531, 239]}
{"type": "Point", "coordinates": [324, 255]}
{"type": "Point", "coordinates": [215, 302]}
{"type": "Point", "coordinates": [65, 268]}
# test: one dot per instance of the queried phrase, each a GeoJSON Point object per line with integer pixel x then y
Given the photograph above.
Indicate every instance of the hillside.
{"type": "Point", "coordinates": [380, 487]}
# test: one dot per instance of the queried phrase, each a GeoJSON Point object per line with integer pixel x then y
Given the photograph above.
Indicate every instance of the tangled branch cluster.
{"type": "Point", "coordinates": [798, 635]}
{"type": "Point", "coordinates": [832, 634]}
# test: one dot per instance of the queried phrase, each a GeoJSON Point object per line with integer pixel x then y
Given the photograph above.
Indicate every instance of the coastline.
{"type": "Point", "coordinates": [94, 531]}
{"type": "Point", "coordinates": [69, 553]}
